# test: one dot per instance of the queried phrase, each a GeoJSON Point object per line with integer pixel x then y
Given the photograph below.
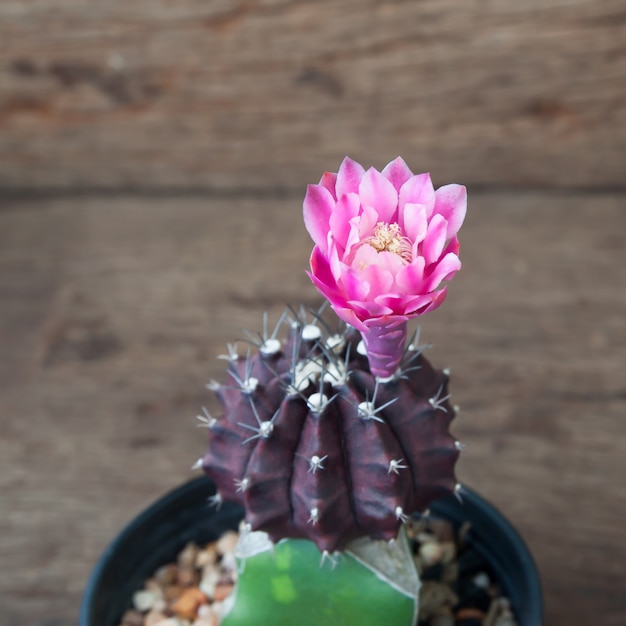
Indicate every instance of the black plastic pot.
{"type": "Point", "coordinates": [157, 535]}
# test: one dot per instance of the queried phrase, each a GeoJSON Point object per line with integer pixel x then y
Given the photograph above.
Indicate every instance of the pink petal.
{"type": "Point", "coordinates": [418, 190]}
{"type": "Point", "coordinates": [369, 219]}
{"type": "Point", "coordinates": [444, 270]}
{"type": "Point", "coordinates": [377, 192]}
{"type": "Point", "coordinates": [452, 246]}
{"type": "Point", "coordinates": [416, 304]}
{"type": "Point", "coordinates": [451, 202]}
{"type": "Point", "coordinates": [397, 172]}
{"type": "Point", "coordinates": [321, 272]}
{"type": "Point", "coordinates": [328, 181]}
{"type": "Point", "coordinates": [379, 280]}
{"type": "Point", "coordinates": [349, 316]}
{"type": "Point", "coordinates": [366, 309]}
{"type": "Point", "coordinates": [348, 177]}
{"type": "Point", "coordinates": [404, 305]}
{"type": "Point", "coordinates": [390, 262]}
{"type": "Point", "coordinates": [414, 222]}
{"type": "Point", "coordinates": [354, 287]}
{"type": "Point", "coordinates": [364, 257]}
{"type": "Point", "coordinates": [317, 208]}
{"type": "Point", "coordinates": [353, 237]}
{"type": "Point", "coordinates": [437, 300]}
{"type": "Point", "coordinates": [346, 208]}
{"type": "Point", "coordinates": [411, 277]}
{"type": "Point", "coordinates": [435, 239]}
{"type": "Point", "coordinates": [386, 320]}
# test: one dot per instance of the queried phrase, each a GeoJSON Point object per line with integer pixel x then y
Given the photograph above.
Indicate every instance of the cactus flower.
{"type": "Point", "coordinates": [385, 244]}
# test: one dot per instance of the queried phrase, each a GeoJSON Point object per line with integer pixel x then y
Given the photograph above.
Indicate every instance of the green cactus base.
{"type": "Point", "coordinates": [289, 584]}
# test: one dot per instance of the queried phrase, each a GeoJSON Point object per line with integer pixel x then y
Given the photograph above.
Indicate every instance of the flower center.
{"type": "Point", "coordinates": [388, 237]}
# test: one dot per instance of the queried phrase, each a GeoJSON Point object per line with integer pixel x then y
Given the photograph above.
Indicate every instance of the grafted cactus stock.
{"type": "Point", "coordinates": [332, 433]}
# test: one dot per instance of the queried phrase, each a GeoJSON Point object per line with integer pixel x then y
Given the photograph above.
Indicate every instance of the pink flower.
{"type": "Point", "coordinates": [385, 242]}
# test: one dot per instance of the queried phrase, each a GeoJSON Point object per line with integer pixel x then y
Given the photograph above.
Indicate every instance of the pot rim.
{"type": "Point", "coordinates": [516, 552]}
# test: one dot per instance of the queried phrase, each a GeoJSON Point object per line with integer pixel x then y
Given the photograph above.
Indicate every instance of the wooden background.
{"type": "Point", "coordinates": [153, 159]}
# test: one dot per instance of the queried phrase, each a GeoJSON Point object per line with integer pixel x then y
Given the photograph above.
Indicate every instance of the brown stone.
{"type": "Point", "coordinates": [436, 598]}
{"type": "Point", "coordinates": [166, 575]}
{"type": "Point", "coordinates": [154, 617]}
{"type": "Point", "coordinates": [188, 576]}
{"type": "Point", "coordinates": [187, 556]}
{"type": "Point", "coordinates": [441, 528]}
{"type": "Point", "coordinates": [132, 617]}
{"type": "Point", "coordinates": [187, 604]}
{"type": "Point", "coordinates": [222, 591]}
{"type": "Point", "coordinates": [469, 613]}
{"type": "Point", "coordinates": [172, 593]}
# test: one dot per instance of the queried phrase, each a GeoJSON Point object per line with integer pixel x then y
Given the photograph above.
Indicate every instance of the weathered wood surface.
{"type": "Point", "coordinates": [265, 94]}
{"type": "Point", "coordinates": [113, 310]}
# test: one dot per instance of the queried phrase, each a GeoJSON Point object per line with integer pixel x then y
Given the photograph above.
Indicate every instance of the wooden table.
{"type": "Point", "coordinates": [153, 159]}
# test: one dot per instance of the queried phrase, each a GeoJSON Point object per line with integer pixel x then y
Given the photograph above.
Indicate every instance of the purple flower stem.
{"type": "Point", "coordinates": [385, 347]}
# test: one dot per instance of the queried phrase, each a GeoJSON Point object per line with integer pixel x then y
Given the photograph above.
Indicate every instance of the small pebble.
{"type": "Point", "coordinates": [154, 617]}
{"type": "Point", "coordinates": [442, 529]}
{"type": "Point", "coordinates": [207, 556]}
{"type": "Point", "coordinates": [482, 580]}
{"type": "Point", "coordinates": [145, 599]}
{"type": "Point", "coordinates": [435, 598]}
{"type": "Point", "coordinates": [187, 576]}
{"type": "Point", "coordinates": [188, 555]}
{"type": "Point", "coordinates": [468, 614]}
{"type": "Point", "coordinates": [442, 620]}
{"type": "Point", "coordinates": [132, 617]}
{"type": "Point", "coordinates": [210, 578]}
{"type": "Point", "coordinates": [166, 574]}
{"type": "Point", "coordinates": [222, 591]}
{"type": "Point", "coordinates": [227, 542]}
{"type": "Point", "coordinates": [430, 553]}
{"type": "Point", "coordinates": [505, 618]}
{"type": "Point", "coordinates": [457, 587]}
{"type": "Point", "coordinates": [187, 604]}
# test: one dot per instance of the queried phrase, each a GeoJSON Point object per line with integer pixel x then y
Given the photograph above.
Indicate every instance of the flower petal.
{"type": "Point", "coordinates": [354, 287]}
{"type": "Point", "coordinates": [317, 208]}
{"type": "Point", "coordinates": [348, 315]}
{"type": "Point", "coordinates": [444, 270]}
{"type": "Point", "coordinates": [377, 192]}
{"type": "Point", "coordinates": [329, 181]}
{"type": "Point", "coordinates": [451, 202]}
{"type": "Point", "coordinates": [321, 272]}
{"type": "Point", "coordinates": [348, 177]}
{"type": "Point", "coordinates": [397, 172]}
{"type": "Point", "coordinates": [435, 239]}
{"type": "Point", "coordinates": [365, 309]}
{"type": "Point", "coordinates": [369, 219]}
{"type": "Point", "coordinates": [418, 190]}
{"type": "Point", "coordinates": [413, 221]}
{"type": "Point", "coordinates": [437, 300]}
{"type": "Point", "coordinates": [379, 279]}
{"type": "Point", "coordinates": [340, 226]}
{"type": "Point", "coordinates": [410, 278]}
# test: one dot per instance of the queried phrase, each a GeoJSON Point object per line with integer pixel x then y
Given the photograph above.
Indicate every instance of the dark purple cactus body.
{"type": "Point", "coordinates": [314, 446]}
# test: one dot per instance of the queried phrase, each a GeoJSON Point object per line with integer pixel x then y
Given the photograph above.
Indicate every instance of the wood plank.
{"type": "Point", "coordinates": [113, 310]}
{"type": "Point", "coordinates": [265, 94]}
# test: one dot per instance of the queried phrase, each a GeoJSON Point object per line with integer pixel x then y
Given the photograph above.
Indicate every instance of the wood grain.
{"type": "Point", "coordinates": [266, 94]}
{"type": "Point", "coordinates": [113, 310]}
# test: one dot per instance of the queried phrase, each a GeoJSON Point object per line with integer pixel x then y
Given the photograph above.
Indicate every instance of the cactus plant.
{"type": "Point", "coordinates": [336, 435]}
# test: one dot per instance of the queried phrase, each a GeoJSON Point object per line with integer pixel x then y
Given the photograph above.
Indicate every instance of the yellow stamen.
{"type": "Point", "coordinates": [388, 237]}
